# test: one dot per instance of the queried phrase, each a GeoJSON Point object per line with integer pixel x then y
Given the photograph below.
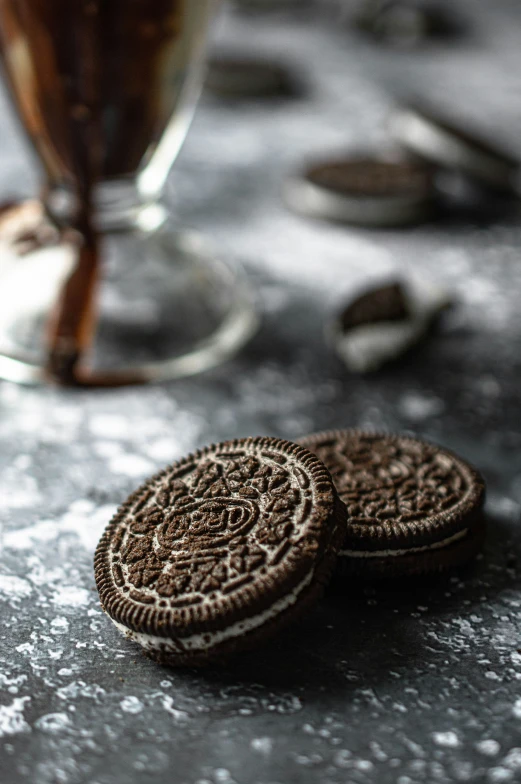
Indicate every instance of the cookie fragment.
{"type": "Point", "coordinates": [384, 323]}
{"type": "Point", "coordinates": [412, 507]}
{"type": "Point", "coordinates": [241, 77]}
{"type": "Point", "coordinates": [405, 24]}
{"type": "Point", "coordinates": [383, 303]}
{"type": "Point", "coordinates": [269, 5]}
{"type": "Point", "coordinates": [442, 141]}
{"type": "Point", "coordinates": [220, 549]}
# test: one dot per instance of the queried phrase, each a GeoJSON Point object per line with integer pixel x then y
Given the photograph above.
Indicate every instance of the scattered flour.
{"type": "Point", "coordinates": [134, 466]}
{"type": "Point", "coordinates": [516, 709]}
{"type": "Point", "coordinates": [59, 625]}
{"type": "Point", "coordinates": [109, 426]}
{"type": "Point", "coordinates": [14, 587]}
{"type": "Point", "coordinates": [71, 596]}
{"type": "Point", "coordinates": [163, 450]}
{"type": "Point", "coordinates": [342, 758]}
{"type": "Point", "coordinates": [80, 689]}
{"type": "Point", "coordinates": [223, 776]}
{"type": "Point", "coordinates": [12, 684]}
{"type": "Point", "coordinates": [180, 716]}
{"type": "Point", "coordinates": [499, 775]}
{"type": "Point", "coordinates": [107, 449]}
{"type": "Point", "coordinates": [82, 519]}
{"type": "Point", "coordinates": [131, 705]}
{"type": "Point", "coordinates": [513, 759]}
{"type": "Point", "coordinates": [53, 723]}
{"type": "Point", "coordinates": [417, 407]}
{"type": "Point", "coordinates": [447, 739]}
{"type": "Point", "coordinates": [12, 720]}
{"type": "Point", "coordinates": [488, 747]}
{"type": "Point", "coordinates": [262, 745]}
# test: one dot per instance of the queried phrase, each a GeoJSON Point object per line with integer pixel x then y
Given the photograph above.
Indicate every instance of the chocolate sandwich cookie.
{"type": "Point", "coordinates": [441, 141]}
{"type": "Point", "coordinates": [364, 191]}
{"type": "Point", "coordinates": [405, 24]}
{"type": "Point", "coordinates": [411, 507]}
{"type": "Point", "coordinates": [268, 5]}
{"type": "Point", "coordinates": [215, 553]}
{"type": "Point", "coordinates": [246, 77]}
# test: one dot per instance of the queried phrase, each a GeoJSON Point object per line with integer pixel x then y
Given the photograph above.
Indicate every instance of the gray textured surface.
{"type": "Point", "coordinates": [416, 682]}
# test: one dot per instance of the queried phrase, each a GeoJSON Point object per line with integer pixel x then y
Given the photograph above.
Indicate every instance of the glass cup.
{"type": "Point", "coordinates": [105, 90]}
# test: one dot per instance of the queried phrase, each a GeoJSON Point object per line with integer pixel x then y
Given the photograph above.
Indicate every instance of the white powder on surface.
{"type": "Point", "coordinates": [417, 407]}
{"type": "Point", "coordinates": [12, 684]}
{"type": "Point", "coordinates": [12, 720]}
{"type": "Point", "coordinates": [513, 759]}
{"type": "Point", "coordinates": [447, 739]}
{"type": "Point", "coordinates": [109, 426]}
{"type": "Point", "coordinates": [488, 747]}
{"type": "Point", "coordinates": [133, 466]}
{"type": "Point", "coordinates": [82, 519]}
{"type": "Point", "coordinates": [180, 716]}
{"type": "Point", "coordinates": [262, 745]}
{"type": "Point", "coordinates": [59, 625]}
{"type": "Point", "coordinates": [71, 596]}
{"type": "Point", "coordinates": [499, 775]}
{"type": "Point", "coordinates": [131, 705]}
{"type": "Point", "coordinates": [516, 709]}
{"type": "Point", "coordinates": [14, 587]}
{"type": "Point", "coordinates": [53, 723]}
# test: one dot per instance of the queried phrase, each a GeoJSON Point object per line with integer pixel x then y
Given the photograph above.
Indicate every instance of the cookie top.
{"type": "Point", "coordinates": [218, 537]}
{"type": "Point", "coordinates": [400, 493]}
{"type": "Point", "coordinates": [363, 190]}
{"type": "Point", "coordinates": [371, 177]}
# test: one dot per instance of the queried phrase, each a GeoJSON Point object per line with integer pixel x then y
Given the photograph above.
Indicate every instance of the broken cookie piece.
{"type": "Point", "coordinates": [384, 323]}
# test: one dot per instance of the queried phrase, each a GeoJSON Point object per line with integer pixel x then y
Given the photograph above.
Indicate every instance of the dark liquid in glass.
{"type": "Point", "coordinates": [96, 83]}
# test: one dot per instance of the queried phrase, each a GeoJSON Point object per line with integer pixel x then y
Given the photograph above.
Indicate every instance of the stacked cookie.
{"type": "Point", "coordinates": [223, 548]}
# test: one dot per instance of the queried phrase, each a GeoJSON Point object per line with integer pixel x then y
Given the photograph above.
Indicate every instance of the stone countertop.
{"type": "Point", "coordinates": [405, 683]}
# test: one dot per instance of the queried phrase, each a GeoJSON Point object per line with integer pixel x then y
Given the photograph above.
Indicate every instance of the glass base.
{"type": "Point", "coordinates": [167, 308]}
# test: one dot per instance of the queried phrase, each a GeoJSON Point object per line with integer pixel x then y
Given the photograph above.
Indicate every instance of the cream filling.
{"type": "Point", "coordinates": [405, 551]}
{"type": "Point", "coordinates": [207, 640]}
